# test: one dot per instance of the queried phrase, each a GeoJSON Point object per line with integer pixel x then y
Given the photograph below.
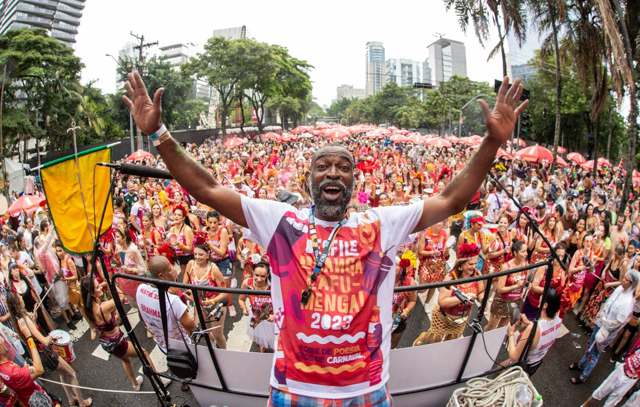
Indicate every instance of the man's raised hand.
{"type": "Point", "coordinates": [146, 112]}
{"type": "Point", "coordinates": [502, 119]}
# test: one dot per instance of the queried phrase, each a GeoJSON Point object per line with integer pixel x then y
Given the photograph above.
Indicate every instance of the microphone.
{"type": "Point", "coordinates": [514, 312]}
{"type": "Point", "coordinates": [138, 170]}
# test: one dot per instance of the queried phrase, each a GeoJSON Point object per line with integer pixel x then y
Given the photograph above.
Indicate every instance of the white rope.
{"type": "Point", "coordinates": [94, 389]}
{"type": "Point", "coordinates": [42, 298]}
{"type": "Point", "coordinates": [498, 392]}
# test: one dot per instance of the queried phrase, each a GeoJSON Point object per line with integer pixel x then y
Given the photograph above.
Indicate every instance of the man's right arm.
{"type": "Point", "coordinates": [191, 175]}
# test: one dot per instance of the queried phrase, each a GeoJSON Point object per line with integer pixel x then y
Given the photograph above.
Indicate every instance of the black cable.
{"type": "Point", "coordinates": [476, 325]}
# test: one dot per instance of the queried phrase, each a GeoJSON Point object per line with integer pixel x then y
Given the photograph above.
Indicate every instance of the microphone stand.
{"type": "Point", "coordinates": [159, 388]}
{"type": "Point", "coordinates": [548, 273]}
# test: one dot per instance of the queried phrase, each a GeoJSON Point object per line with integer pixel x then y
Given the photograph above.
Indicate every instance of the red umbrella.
{"type": "Point", "coordinates": [439, 142]}
{"type": "Point", "coordinates": [474, 140]}
{"type": "Point", "coordinates": [562, 150]}
{"type": "Point", "coordinates": [301, 129]}
{"type": "Point", "coordinates": [576, 158]}
{"type": "Point", "coordinates": [140, 155]}
{"type": "Point", "coordinates": [561, 162]}
{"type": "Point", "coordinates": [26, 203]}
{"type": "Point", "coordinates": [635, 178]}
{"type": "Point", "coordinates": [601, 162]}
{"type": "Point", "coordinates": [233, 142]}
{"type": "Point", "coordinates": [271, 136]}
{"type": "Point", "coordinates": [337, 133]}
{"type": "Point", "coordinates": [535, 154]}
{"type": "Point", "coordinates": [503, 154]}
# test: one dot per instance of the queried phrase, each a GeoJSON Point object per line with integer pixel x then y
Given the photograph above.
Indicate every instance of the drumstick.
{"type": "Point", "coordinates": [35, 309]}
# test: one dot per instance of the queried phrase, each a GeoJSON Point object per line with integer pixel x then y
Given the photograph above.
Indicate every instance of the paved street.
{"type": "Point", "coordinates": [98, 370]}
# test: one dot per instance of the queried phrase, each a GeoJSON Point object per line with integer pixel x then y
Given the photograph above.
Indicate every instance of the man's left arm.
{"type": "Point", "coordinates": [500, 124]}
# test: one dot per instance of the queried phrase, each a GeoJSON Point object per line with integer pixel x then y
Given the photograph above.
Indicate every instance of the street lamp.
{"type": "Point", "coordinates": [462, 108]}
{"type": "Point", "coordinates": [131, 131]}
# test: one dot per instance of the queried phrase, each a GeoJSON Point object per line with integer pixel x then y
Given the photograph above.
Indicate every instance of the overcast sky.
{"type": "Point", "coordinates": [331, 35]}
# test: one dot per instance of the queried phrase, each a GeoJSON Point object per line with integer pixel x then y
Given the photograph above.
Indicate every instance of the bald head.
{"type": "Point", "coordinates": [333, 150]}
{"type": "Point", "coordinates": [159, 267]}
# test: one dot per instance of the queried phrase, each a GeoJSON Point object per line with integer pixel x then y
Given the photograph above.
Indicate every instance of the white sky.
{"type": "Point", "coordinates": [329, 34]}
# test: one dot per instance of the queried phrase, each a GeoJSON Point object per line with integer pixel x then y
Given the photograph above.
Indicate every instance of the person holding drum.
{"type": "Point", "coordinates": [70, 276]}
{"type": "Point", "coordinates": [260, 307]}
{"type": "Point", "coordinates": [50, 358]}
{"type": "Point", "coordinates": [102, 315]}
{"type": "Point", "coordinates": [20, 379]}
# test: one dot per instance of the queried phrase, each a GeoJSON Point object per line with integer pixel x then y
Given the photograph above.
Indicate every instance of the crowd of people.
{"type": "Point", "coordinates": [160, 230]}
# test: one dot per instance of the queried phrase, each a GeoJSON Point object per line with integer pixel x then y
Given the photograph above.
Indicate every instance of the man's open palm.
{"type": "Point", "coordinates": [502, 119]}
{"type": "Point", "coordinates": [146, 112]}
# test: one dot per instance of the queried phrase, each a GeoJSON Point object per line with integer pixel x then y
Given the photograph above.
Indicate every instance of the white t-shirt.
{"type": "Point", "coordinates": [149, 307]}
{"type": "Point", "coordinates": [337, 345]}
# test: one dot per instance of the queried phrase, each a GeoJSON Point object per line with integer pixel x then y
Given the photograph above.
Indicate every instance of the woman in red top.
{"type": "Point", "coordinates": [549, 229]}
{"type": "Point", "coordinates": [500, 248]}
{"type": "Point", "coordinates": [598, 255]}
{"type": "Point", "coordinates": [159, 220]}
{"type": "Point", "coordinates": [151, 237]}
{"type": "Point", "coordinates": [532, 303]}
{"type": "Point", "coordinates": [611, 277]}
{"type": "Point", "coordinates": [202, 271]}
{"type": "Point", "coordinates": [21, 379]}
{"type": "Point", "coordinates": [404, 302]}
{"type": "Point", "coordinates": [509, 288]}
{"type": "Point", "coordinates": [580, 263]}
{"type": "Point", "coordinates": [433, 255]}
{"type": "Point", "coordinates": [521, 231]}
{"type": "Point", "coordinates": [29, 329]}
{"type": "Point", "coordinates": [261, 327]}
{"type": "Point", "coordinates": [218, 239]}
{"type": "Point", "coordinates": [449, 318]}
{"type": "Point", "coordinates": [180, 237]}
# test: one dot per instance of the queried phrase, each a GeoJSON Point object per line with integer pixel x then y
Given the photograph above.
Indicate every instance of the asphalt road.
{"type": "Point", "coordinates": [551, 380]}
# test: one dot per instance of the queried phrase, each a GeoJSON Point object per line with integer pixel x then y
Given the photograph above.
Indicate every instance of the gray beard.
{"type": "Point", "coordinates": [330, 210]}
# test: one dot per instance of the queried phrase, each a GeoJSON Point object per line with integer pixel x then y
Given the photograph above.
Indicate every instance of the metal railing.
{"type": "Point", "coordinates": [163, 286]}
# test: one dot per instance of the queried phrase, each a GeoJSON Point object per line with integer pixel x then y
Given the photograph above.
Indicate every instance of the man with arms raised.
{"type": "Point", "coordinates": [332, 275]}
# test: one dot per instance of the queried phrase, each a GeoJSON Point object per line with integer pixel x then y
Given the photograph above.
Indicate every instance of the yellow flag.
{"type": "Point", "coordinates": [76, 190]}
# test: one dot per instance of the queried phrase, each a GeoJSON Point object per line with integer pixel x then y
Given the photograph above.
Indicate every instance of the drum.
{"type": "Point", "coordinates": [263, 334]}
{"type": "Point", "coordinates": [63, 345]}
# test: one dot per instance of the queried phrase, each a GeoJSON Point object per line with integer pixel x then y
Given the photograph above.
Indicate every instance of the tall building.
{"type": "Point", "coordinates": [375, 68]}
{"type": "Point", "coordinates": [519, 55]}
{"type": "Point", "coordinates": [178, 54]}
{"type": "Point", "coordinates": [349, 92]}
{"type": "Point", "coordinates": [404, 72]}
{"type": "Point", "coordinates": [446, 59]}
{"type": "Point", "coordinates": [232, 33]}
{"type": "Point", "coordinates": [60, 18]}
{"type": "Point", "coordinates": [426, 71]}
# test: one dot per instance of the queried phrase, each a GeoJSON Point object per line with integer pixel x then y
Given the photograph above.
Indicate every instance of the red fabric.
{"type": "Point", "coordinates": [19, 380]}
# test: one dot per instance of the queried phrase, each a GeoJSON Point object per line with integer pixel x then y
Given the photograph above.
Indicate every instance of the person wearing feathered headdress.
{"type": "Point", "coordinates": [450, 316]}
{"type": "Point", "coordinates": [404, 302]}
{"type": "Point", "coordinates": [473, 233]}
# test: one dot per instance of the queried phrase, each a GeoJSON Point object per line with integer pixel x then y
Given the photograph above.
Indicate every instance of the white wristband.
{"type": "Point", "coordinates": [155, 136]}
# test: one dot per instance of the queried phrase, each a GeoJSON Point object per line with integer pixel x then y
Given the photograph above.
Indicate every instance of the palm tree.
{"type": "Point", "coordinates": [549, 15]}
{"type": "Point", "coordinates": [585, 42]}
{"type": "Point", "coordinates": [507, 15]}
{"type": "Point", "coordinates": [623, 35]}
